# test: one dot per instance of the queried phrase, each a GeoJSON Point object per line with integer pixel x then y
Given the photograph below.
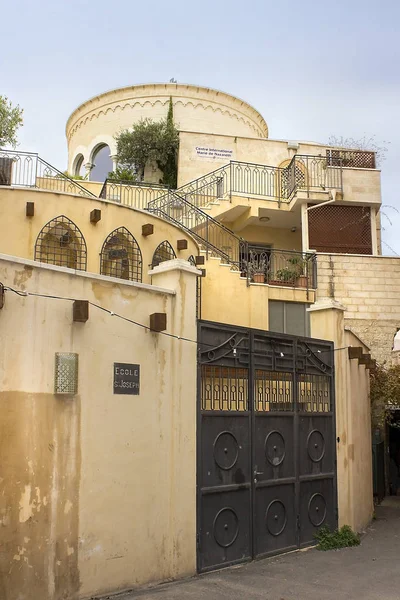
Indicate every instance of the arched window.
{"type": "Point", "coordinates": [163, 252]}
{"type": "Point", "coordinates": [102, 163]}
{"type": "Point", "coordinates": [61, 243]}
{"type": "Point", "coordinates": [121, 256]}
{"type": "Point", "coordinates": [78, 167]}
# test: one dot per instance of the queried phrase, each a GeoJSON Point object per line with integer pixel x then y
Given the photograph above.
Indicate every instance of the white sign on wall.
{"type": "Point", "coordinates": [211, 153]}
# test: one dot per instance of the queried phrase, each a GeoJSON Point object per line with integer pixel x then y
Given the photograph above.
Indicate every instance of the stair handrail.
{"type": "Point", "coordinates": [206, 220]}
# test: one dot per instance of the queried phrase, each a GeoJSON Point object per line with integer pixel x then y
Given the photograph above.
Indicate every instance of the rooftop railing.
{"type": "Point", "coordinates": [27, 169]}
{"type": "Point", "coordinates": [135, 194]}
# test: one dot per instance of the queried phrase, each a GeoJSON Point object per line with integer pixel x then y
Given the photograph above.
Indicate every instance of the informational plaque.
{"type": "Point", "coordinates": [126, 378]}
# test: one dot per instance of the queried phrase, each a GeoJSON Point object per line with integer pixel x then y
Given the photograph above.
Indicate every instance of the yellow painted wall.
{"type": "Point", "coordinates": [227, 298]}
{"type": "Point", "coordinates": [97, 490]}
{"type": "Point", "coordinates": [353, 420]}
{"type": "Point", "coordinates": [49, 205]}
{"type": "Point", "coordinates": [279, 238]}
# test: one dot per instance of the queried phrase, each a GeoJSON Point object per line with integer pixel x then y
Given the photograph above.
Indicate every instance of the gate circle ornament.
{"type": "Point", "coordinates": [226, 527]}
{"type": "Point", "coordinates": [226, 450]}
{"type": "Point", "coordinates": [317, 509]}
{"type": "Point", "coordinates": [274, 448]}
{"type": "Point", "coordinates": [316, 445]}
{"type": "Point", "coordinates": [275, 517]}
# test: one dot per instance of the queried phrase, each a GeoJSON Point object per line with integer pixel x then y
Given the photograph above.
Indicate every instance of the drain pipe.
{"type": "Point", "coordinates": [304, 219]}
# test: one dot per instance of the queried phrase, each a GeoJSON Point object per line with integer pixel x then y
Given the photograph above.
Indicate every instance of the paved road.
{"type": "Point", "coordinates": [370, 571]}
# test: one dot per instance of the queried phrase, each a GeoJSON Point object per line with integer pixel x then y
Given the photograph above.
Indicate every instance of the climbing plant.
{"type": "Point", "coordinates": [384, 393]}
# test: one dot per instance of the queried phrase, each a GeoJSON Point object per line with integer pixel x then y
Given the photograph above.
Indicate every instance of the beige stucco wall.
{"type": "Point", "coordinates": [196, 108]}
{"type": "Point", "coordinates": [369, 288]}
{"type": "Point", "coordinates": [243, 148]}
{"type": "Point", "coordinates": [353, 418]}
{"type": "Point", "coordinates": [98, 489]}
{"type": "Point", "coordinates": [49, 205]}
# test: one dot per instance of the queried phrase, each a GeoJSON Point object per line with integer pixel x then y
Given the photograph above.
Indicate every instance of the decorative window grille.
{"type": "Point", "coordinates": [61, 243]}
{"type": "Point", "coordinates": [121, 256]}
{"type": "Point", "coordinates": [163, 252]}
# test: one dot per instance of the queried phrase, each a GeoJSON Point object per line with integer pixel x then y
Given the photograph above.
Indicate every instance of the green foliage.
{"type": "Point", "coordinates": [292, 271]}
{"type": "Point", "coordinates": [122, 174]}
{"type": "Point", "coordinates": [66, 174]}
{"type": "Point", "coordinates": [384, 393]}
{"type": "Point", "coordinates": [340, 538]}
{"type": "Point", "coordinates": [150, 142]}
{"type": "Point", "coordinates": [10, 121]}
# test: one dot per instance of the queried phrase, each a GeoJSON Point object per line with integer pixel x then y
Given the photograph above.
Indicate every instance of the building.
{"type": "Point", "coordinates": [121, 470]}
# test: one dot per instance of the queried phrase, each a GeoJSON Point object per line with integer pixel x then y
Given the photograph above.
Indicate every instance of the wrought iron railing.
{"type": "Point", "coordinates": [216, 239]}
{"type": "Point", "coordinates": [288, 268]}
{"type": "Point", "coordinates": [132, 193]}
{"type": "Point", "coordinates": [27, 169]}
{"type": "Point", "coordinates": [356, 159]}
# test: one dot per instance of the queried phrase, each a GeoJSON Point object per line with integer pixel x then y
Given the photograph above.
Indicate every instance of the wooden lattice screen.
{"type": "Point", "coordinates": [356, 159]}
{"type": "Point", "coordinates": [340, 229]}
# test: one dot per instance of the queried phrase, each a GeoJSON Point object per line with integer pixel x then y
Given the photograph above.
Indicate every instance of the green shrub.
{"type": "Point", "coordinates": [340, 538]}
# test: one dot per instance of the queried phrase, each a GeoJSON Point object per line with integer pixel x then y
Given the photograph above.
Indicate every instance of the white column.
{"type": "Point", "coordinates": [304, 228]}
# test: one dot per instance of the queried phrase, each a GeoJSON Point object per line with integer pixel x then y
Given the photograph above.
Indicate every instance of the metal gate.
{"type": "Point", "coordinates": [266, 477]}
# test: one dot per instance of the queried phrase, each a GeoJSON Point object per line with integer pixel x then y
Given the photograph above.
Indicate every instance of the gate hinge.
{"type": "Point", "coordinates": [298, 521]}
{"type": "Point", "coordinates": [197, 540]}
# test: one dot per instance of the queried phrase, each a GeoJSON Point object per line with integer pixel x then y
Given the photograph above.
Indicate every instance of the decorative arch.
{"type": "Point", "coordinates": [77, 164]}
{"type": "Point", "coordinates": [61, 243]}
{"type": "Point", "coordinates": [121, 256]}
{"type": "Point", "coordinates": [101, 161]}
{"type": "Point", "coordinates": [163, 252]}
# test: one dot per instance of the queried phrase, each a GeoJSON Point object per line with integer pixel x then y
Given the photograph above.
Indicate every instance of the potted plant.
{"type": "Point", "coordinates": [293, 273]}
{"type": "Point", "coordinates": [256, 268]}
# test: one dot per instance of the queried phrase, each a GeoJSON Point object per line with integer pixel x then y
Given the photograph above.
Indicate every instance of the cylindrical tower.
{"type": "Point", "coordinates": [92, 126]}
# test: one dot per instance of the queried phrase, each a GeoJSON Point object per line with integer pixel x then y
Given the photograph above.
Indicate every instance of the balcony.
{"type": "Point", "coordinates": [283, 268]}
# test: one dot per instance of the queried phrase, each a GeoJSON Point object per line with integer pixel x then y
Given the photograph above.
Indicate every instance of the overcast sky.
{"type": "Point", "coordinates": [313, 69]}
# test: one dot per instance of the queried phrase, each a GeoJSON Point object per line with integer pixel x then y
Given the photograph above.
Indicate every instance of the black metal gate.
{"type": "Point", "coordinates": [266, 443]}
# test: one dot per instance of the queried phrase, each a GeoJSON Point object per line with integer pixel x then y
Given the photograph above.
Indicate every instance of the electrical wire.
{"type": "Point", "coordinates": [146, 327]}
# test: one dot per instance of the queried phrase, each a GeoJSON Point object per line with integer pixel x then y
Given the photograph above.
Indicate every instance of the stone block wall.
{"type": "Point", "coordinates": [369, 288]}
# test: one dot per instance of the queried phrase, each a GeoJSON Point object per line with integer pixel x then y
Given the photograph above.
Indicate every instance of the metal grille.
{"type": "Point", "coordinates": [66, 373]}
{"type": "Point", "coordinates": [357, 159]}
{"type": "Point", "coordinates": [314, 393]}
{"type": "Point", "coordinates": [273, 391]}
{"type": "Point", "coordinates": [192, 261]}
{"type": "Point", "coordinates": [224, 388]}
{"type": "Point", "coordinates": [61, 243]}
{"type": "Point", "coordinates": [163, 252]}
{"type": "Point", "coordinates": [121, 256]}
{"type": "Point", "coordinates": [340, 229]}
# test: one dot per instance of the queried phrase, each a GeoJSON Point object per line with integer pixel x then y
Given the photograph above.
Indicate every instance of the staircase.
{"type": "Point", "coordinates": [184, 205]}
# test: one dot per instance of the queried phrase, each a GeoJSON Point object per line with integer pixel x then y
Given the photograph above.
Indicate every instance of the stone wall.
{"type": "Point", "coordinates": [369, 288]}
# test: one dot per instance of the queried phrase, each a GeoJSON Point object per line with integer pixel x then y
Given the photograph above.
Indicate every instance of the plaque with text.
{"type": "Point", "coordinates": [126, 378]}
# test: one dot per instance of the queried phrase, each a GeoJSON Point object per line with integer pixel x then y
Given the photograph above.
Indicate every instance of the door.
{"type": "Point", "coordinates": [266, 443]}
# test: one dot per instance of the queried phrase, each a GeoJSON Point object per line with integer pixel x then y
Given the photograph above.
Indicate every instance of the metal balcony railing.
{"type": "Point", "coordinates": [135, 194]}
{"type": "Point", "coordinates": [285, 268]}
{"type": "Point", "coordinates": [27, 169]}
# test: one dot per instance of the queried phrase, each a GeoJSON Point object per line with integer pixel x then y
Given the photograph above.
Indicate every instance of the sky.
{"type": "Point", "coordinates": [313, 69]}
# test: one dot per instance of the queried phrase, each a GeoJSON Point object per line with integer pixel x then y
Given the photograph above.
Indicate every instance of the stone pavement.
{"type": "Point", "coordinates": [370, 571]}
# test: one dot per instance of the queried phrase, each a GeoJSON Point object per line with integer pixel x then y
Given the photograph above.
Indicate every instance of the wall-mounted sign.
{"type": "Point", "coordinates": [126, 378]}
{"type": "Point", "coordinates": [210, 153]}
